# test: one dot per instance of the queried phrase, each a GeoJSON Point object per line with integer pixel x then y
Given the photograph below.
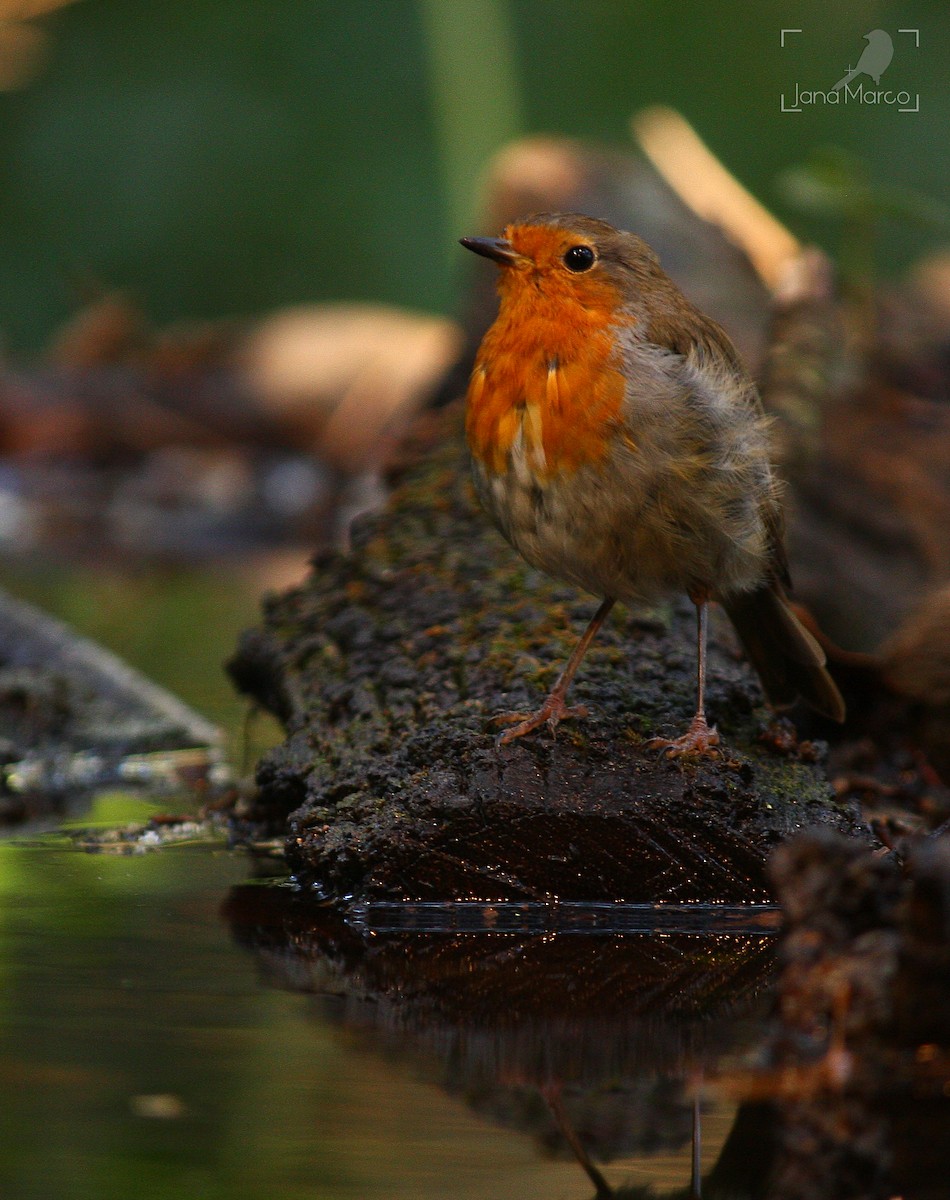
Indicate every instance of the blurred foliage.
{"type": "Point", "coordinates": [834, 181]}
{"type": "Point", "coordinates": [229, 156]}
{"type": "Point", "coordinates": [837, 184]}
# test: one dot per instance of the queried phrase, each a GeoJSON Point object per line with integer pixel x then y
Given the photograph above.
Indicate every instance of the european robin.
{"type": "Point", "coordinates": [619, 444]}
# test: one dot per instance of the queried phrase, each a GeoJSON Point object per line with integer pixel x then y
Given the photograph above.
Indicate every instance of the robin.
{"type": "Point", "coordinates": [619, 444]}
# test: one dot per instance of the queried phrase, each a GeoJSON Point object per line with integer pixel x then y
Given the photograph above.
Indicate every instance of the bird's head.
{"type": "Point", "coordinates": [573, 261]}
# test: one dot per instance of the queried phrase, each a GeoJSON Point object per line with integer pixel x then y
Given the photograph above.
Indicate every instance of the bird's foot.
{"type": "Point", "coordinates": [551, 713]}
{"type": "Point", "coordinates": [699, 741]}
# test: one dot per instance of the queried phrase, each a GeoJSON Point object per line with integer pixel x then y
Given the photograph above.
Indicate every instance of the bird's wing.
{"type": "Point", "coordinates": [701, 340]}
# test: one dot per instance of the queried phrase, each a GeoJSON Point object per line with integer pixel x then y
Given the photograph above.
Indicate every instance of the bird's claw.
{"type": "Point", "coordinates": [551, 713]}
{"type": "Point", "coordinates": [699, 741]}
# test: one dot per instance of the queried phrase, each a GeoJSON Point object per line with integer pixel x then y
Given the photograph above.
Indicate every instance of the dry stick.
{"type": "Point", "coordinates": [552, 1097]}
{"type": "Point", "coordinates": [704, 185]}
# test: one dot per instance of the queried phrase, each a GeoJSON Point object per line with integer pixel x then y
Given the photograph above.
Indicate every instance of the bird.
{"type": "Point", "coordinates": [619, 444]}
{"type": "Point", "coordinates": [874, 61]}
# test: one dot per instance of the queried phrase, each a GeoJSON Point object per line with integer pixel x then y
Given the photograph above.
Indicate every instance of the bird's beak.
{"type": "Point", "coordinates": [500, 249]}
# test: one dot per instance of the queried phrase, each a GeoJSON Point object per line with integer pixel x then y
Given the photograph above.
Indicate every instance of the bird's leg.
{"type": "Point", "coordinates": [555, 709]}
{"type": "Point", "coordinates": [701, 738]}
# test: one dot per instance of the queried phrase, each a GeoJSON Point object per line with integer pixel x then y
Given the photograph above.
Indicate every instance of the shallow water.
{"type": "Point", "coordinates": [158, 1036]}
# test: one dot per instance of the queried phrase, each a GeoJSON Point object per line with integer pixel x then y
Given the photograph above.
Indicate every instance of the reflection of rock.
{"type": "Point", "coordinates": [614, 1022]}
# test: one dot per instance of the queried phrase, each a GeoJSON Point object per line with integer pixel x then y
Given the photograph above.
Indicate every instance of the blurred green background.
{"type": "Point", "coordinates": [221, 157]}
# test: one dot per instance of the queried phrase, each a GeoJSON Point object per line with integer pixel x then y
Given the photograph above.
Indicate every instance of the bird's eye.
{"type": "Point", "coordinates": [579, 258]}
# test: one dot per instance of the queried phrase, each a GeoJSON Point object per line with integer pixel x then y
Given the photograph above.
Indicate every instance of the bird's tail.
{"type": "Point", "coordinates": [789, 662]}
{"type": "Point", "coordinates": [845, 81]}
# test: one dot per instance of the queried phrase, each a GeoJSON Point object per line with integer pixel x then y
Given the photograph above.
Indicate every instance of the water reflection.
{"type": "Point", "coordinates": [139, 1053]}
{"type": "Point", "coordinates": [591, 1041]}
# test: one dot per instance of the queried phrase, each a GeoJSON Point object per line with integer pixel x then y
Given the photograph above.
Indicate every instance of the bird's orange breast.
{"type": "Point", "coordinates": [549, 373]}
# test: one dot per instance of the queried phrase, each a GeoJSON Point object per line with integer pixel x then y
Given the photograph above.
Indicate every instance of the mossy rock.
{"type": "Point", "coordinates": [387, 667]}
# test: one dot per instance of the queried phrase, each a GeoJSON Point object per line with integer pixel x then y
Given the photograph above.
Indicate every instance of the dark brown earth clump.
{"type": "Point", "coordinates": [859, 1046]}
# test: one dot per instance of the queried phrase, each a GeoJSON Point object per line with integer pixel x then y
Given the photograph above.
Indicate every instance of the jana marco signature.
{"type": "Point", "coordinates": [854, 94]}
